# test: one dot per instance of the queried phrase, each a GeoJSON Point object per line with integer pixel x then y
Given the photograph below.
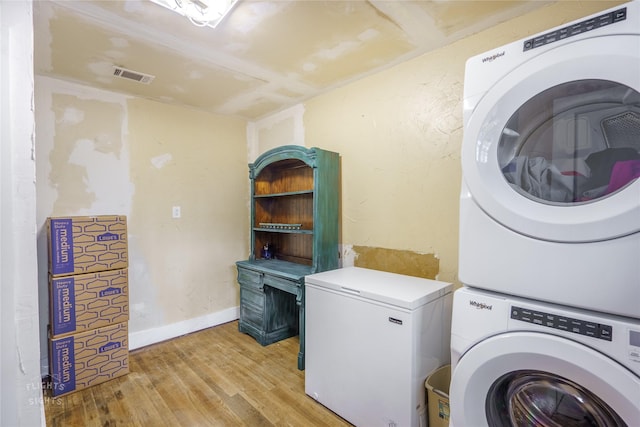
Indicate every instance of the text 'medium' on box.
{"type": "Point", "coordinates": [88, 358]}
{"type": "Point", "coordinates": [85, 244]}
{"type": "Point", "coordinates": [88, 301]}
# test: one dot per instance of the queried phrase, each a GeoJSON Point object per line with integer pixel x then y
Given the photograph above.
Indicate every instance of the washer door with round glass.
{"type": "Point", "coordinates": [533, 379]}
{"type": "Point", "coordinates": [552, 150]}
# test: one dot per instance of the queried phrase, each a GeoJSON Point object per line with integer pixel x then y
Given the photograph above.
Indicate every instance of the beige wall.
{"type": "Point", "coordinates": [399, 134]}
{"type": "Point", "coordinates": [196, 161]}
{"type": "Point", "coordinates": [103, 153]}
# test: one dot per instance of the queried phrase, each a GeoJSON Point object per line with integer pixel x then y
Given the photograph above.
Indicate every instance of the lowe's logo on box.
{"type": "Point", "coordinates": [61, 246]}
{"type": "Point", "coordinates": [110, 291]}
{"type": "Point", "coordinates": [114, 345]}
{"type": "Point", "coordinates": [108, 236]}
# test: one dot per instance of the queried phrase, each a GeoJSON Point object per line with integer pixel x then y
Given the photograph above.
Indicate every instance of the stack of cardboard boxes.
{"type": "Point", "coordinates": [88, 301]}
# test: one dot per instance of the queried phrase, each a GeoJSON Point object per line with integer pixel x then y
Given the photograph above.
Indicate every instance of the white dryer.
{"type": "Point", "coordinates": [550, 199]}
{"type": "Point", "coordinates": [520, 362]}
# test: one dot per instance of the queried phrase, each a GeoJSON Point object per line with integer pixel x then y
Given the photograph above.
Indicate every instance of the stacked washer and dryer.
{"type": "Point", "coordinates": [546, 329]}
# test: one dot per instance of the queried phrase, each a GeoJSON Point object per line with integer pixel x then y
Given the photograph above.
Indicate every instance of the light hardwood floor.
{"type": "Point", "coordinates": [215, 377]}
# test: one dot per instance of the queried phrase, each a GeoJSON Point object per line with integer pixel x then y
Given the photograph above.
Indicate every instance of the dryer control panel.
{"type": "Point", "coordinates": [575, 29]}
{"type": "Point", "coordinates": [563, 323]}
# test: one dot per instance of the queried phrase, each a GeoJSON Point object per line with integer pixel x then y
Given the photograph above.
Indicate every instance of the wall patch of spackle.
{"type": "Point", "coordinates": [90, 168]}
{"type": "Point", "coordinates": [161, 161]}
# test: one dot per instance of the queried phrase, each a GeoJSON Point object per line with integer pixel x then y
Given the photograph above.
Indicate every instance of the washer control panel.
{"type": "Point", "coordinates": [575, 29]}
{"type": "Point", "coordinates": [563, 323]}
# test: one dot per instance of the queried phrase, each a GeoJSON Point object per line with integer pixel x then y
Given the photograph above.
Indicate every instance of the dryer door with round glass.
{"type": "Point", "coordinates": [553, 150]}
{"type": "Point", "coordinates": [527, 379]}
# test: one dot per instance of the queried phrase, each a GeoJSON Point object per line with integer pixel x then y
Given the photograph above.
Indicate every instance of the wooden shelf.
{"type": "Point", "coordinates": [289, 193]}
{"type": "Point", "coordinates": [275, 230]}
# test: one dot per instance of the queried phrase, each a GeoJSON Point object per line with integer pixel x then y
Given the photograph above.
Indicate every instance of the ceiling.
{"type": "Point", "coordinates": [264, 57]}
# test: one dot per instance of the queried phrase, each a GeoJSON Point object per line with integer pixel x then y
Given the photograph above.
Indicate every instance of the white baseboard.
{"type": "Point", "coordinates": [173, 330]}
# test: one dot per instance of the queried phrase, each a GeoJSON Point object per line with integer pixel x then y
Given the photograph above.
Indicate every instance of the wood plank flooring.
{"type": "Point", "coordinates": [214, 377]}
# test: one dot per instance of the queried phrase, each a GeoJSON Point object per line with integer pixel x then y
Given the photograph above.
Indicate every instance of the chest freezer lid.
{"type": "Point", "coordinates": [396, 289]}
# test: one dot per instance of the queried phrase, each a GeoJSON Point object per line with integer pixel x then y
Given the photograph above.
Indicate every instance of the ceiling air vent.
{"type": "Point", "coordinates": [123, 73]}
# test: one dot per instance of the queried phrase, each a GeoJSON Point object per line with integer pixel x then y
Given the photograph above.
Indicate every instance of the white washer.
{"type": "Point", "coordinates": [541, 363]}
{"type": "Point", "coordinates": [550, 199]}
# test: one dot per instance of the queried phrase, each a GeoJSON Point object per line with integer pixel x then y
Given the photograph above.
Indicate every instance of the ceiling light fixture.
{"type": "Point", "coordinates": [201, 13]}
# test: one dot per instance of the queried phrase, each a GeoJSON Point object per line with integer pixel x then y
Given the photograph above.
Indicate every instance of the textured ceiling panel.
{"type": "Point", "coordinates": [264, 57]}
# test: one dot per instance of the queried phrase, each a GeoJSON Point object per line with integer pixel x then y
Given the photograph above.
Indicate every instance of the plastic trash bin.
{"type": "Point", "coordinates": [437, 385]}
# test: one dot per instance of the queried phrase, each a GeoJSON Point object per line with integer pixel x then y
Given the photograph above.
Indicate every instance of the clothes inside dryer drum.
{"type": "Point", "coordinates": [622, 173]}
{"type": "Point", "coordinates": [560, 147]}
{"type": "Point", "coordinates": [602, 163]}
{"type": "Point", "coordinates": [533, 398]}
{"type": "Point", "coordinates": [538, 177]}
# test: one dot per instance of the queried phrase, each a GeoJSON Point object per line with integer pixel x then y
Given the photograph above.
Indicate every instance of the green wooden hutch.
{"type": "Point", "coordinates": [295, 193]}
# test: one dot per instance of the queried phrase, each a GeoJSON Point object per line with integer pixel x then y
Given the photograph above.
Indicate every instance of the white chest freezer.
{"type": "Point", "coordinates": [372, 338]}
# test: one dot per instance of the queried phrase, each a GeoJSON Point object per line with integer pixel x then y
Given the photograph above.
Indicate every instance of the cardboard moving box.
{"type": "Point", "coordinates": [88, 358]}
{"type": "Point", "coordinates": [88, 301]}
{"type": "Point", "coordinates": [84, 244]}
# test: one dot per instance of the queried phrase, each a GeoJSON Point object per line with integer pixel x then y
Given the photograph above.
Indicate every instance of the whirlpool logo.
{"type": "Point", "coordinates": [480, 305]}
{"type": "Point", "coordinates": [493, 57]}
